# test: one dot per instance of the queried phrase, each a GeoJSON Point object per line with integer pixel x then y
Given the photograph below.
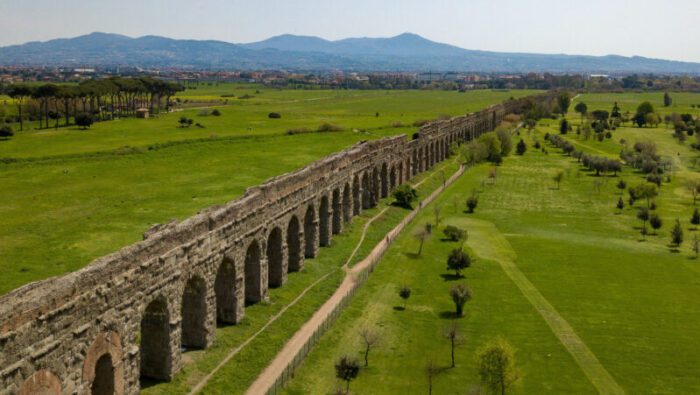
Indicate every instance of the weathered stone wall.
{"type": "Point", "coordinates": [127, 315]}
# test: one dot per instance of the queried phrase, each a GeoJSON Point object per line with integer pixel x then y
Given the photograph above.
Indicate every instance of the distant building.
{"type": "Point", "coordinates": [142, 112]}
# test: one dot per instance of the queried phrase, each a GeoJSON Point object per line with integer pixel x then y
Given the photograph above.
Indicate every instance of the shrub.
{"type": "Point", "coordinates": [6, 132]}
{"type": "Point", "coordinates": [454, 233]}
{"type": "Point", "coordinates": [472, 202]}
{"type": "Point", "coordinates": [521, 147]}
{"type": "Point", "coordinates": [215, 112]}
{"type": "Point", "coordinates": [329, 127]}
{"type": "Point", "coordinates": [84, 120]}
{"type": "Point", "coordinates": [404, 195]}
{"type": "Point", "coordinates": [274, 115]}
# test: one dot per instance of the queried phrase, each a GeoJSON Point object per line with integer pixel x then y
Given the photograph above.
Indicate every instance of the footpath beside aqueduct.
{"type": "Point", "coordinates": [127, 315]}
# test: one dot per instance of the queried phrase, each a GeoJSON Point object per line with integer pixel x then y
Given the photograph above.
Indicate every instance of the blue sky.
{"type": "Point", "coordinates": [668, 29]}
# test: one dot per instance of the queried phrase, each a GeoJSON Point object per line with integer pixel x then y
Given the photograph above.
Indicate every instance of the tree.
{"type": "Point", "coordinates": [695, 218]}
{"type": "Point", "coordinates": [621, 185]}
{"type": "Point", "coordinates": [458, 260]}
{"type": "Point", "coordinates": [84, 120]}
{"type": "Point", "coordinates": [677, 234]}
{"type": "Point", "coordinates": [497, 366]}
{"type": "Point", "coordinates": [620, 204]}
{"type": "Point", "coordinates": [505, 140]}
{"type": "Point", "coordinates": [347, 370]}
{"type": "Point", "coordinates": [421, 235]}
{"type": "Point", "coordinates": [615, 113]}
{"type": "Point", "coordinates": [558, 177]}
{"type": "Point", "coordinates": [655, 222]}
{"type": "Point", "coordinates": [472, 202]}
{"type": "Point", "coordinates": [19, 93]}
{"type": "Point", "coordinates": [370, 338]}
{"type": "Point", "coordinates": [667, 99]}
{"type": "Point", "coordinates": [453, 334]}
{"type": "Point", "coordinates": [460, 294]}
{"type": "Point", "coordinates": [582, 109]}
{"type": "Point", "coordinates": [185, 122]}
{"type": "Point", "coordinates": [454, 233]}
{"type": "Point", "coordinates": [694, 189]}
{"type": "Point", "coordinates": [436, 212]}
{"type": "Point", "coordinates": [643, 215]}
{"type": "Point", "coordinates": [404, 195]}
{"type": "Point", "coordinates": [564, 101]}
{"type": "Point", "coordinates": [521, 147]}
{"type": "Point", "coordinates": [564, 126]}
{"type": "Point", "coordinates": [645, 191]}
{"type": "Point", "coordinates": [6, 132]}
{"type": "Point", "coordinates": [642, 110]}
{"type": "Point", "coordinates": [404, 293]}
{"type": "Point", "coordinates": [431, 370]}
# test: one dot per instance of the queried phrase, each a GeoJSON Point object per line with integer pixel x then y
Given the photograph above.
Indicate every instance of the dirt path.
{"type": "Point", "coordinates": [203, 382]}
{"type": "Point", "coordinates": [292, 348]}
{"type": "Point", "coordinates": [488, 242]}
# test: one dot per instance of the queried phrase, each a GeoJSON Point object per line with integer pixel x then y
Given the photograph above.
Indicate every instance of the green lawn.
{"type": "Point", "coordinates": [632, 301]}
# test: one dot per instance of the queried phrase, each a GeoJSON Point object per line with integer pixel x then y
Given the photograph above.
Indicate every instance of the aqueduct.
{"type": "Point", "coordinates": [129, 315]}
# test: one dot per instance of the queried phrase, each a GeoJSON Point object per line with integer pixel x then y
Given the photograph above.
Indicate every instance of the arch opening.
{"type": "Point", "coordinates": [253, 274]}
{"type": "Point", "coordinates": [310, 232]}
{"type": "Point", "coordinates": [294, 258]}
{"type": "Point", "coordinates": [356, 197]}
{"type": "Point", "coordinates": [324, 222]}
{"type": "Point", "coordinates": [103, 384]}
{"type": "Point", "coordinates": [337, 212]}
{"type": "Point", "coordinates": [194, 314]}
{"type": "Point", "coordinates": [225, 290]}
{"type": "Point", "coordinates": [347, 203]}
{"type": "Point", "coordinates": [275, 259]}
{"type": "Point", "coordinates": [155, 341]}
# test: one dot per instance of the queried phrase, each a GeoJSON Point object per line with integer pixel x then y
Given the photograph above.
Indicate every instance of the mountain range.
{"type": "Point", "coordinates": [405, 52]}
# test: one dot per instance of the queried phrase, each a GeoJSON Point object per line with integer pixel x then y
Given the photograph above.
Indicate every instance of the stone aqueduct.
{"type": "Point", "coordinates": [127, 315]}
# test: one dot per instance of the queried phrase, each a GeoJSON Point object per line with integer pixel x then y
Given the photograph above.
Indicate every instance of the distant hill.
{"type": "Point", "coordinates": [405, 52]}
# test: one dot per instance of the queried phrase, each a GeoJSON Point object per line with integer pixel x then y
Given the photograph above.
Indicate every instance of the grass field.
{"type": "Point", "coordinates": [71, 196]}
{"type": "Point", "coordinates": [630, 300]}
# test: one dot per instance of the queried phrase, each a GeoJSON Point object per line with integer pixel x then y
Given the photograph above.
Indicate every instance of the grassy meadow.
{"type": "Point", "coordinates": [630, 299]}
{"type": "Point", "coordinates": [73, 195]}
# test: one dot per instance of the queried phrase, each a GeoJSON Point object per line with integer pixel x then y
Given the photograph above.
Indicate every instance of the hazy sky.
{"type": "Point", "coordinates": [668, 29]}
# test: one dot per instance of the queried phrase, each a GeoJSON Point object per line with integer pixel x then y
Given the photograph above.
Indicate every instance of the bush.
{"type": "Point", "coordinates": [454, 233]}
{"type": "Point", "coordinates": [472, 202]}
{"type": "Point", "coordinates": [6, 132]}
{"type": "Point", "coordinates": [84, 120]}
{"type": "Point", "coordinates": [215, 112]}
{"type": "Point", "coordinates": [274, 115]}
{"type": "Point", "coordinates": [655, 179]}
{"type": "Point", "coordinates": [521, 147]}
{"type": "Point", "coordinates": [404, 195]}
{"type": "Point", "coordinates": [329, 127]}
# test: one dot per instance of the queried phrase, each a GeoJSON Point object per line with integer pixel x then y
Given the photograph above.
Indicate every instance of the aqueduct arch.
{"type": "Point", "coordinates": [294, 255]}
{"type": "Point", "coordinates": [225, 291]}
{"type": "Point", "coordinates": [253, 273]}
{"type": "Point", "coordinates": [347, 203]}
{"type": "Point", "coordinates": [337, 225]}
{"type": "Point", "coordinates": [155, 341]}
{"type": "Point", "coordinates": [324, 222]}
{"type": "Point", "coordinates": [194, 314]}
{"type": "Point", "coordinates": [310, 232]}
{"type": "Point", "coordinates": [275, 259]}
{"type": "Point", "coordinates": [42, 382]}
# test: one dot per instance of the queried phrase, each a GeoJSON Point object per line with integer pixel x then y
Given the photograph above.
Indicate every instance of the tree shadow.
{"type": "Point", "coordinates": [449, 315]}
{"type": "Point", "coordinates": [399, 308]}
{"type": "Point", "coordinates": [412, 255]}
{"type": "Point", "coordinates": [451, 277]}
{"type": "Point", "coordinates": [673, 248]}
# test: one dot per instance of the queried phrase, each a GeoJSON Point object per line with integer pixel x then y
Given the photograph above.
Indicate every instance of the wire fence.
{"type": "Point", "coordinates": [359, 279]}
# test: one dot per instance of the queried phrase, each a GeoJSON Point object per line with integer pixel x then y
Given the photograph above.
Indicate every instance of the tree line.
{"type": "Point", "coordinates": [97, 99]}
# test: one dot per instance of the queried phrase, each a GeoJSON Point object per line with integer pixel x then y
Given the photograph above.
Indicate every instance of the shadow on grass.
{"type": "Point", "coordinates": [451, 277]}
{"type": "Point", "coordinates": [449, 315]}
{"type": "Point", "coordinates": [399, 308]}
{"type": "Point", "coordinates": [412, 255]}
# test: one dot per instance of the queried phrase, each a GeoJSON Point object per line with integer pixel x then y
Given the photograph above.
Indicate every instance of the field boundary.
{"type": "Point", "coordinates": [584, 357]}
{"type": "Point", "coordinates": [282, 367]}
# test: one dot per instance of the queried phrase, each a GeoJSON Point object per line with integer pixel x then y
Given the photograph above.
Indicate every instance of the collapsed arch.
{"type": "Point", "coordinates": [275, 259]}
{"type": "Point", "coordinates": [253, 274]}
{"type": "Point", "coordinates": [310, 232]}
{"type": "Point", "coordinates": [294, 258]}
{"type": "Point", "coordinates": [225, 290]}
{"type": "Point", "coordinates": [194, 314]}
{"type": "Point", "coordinates": [156, 352]}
